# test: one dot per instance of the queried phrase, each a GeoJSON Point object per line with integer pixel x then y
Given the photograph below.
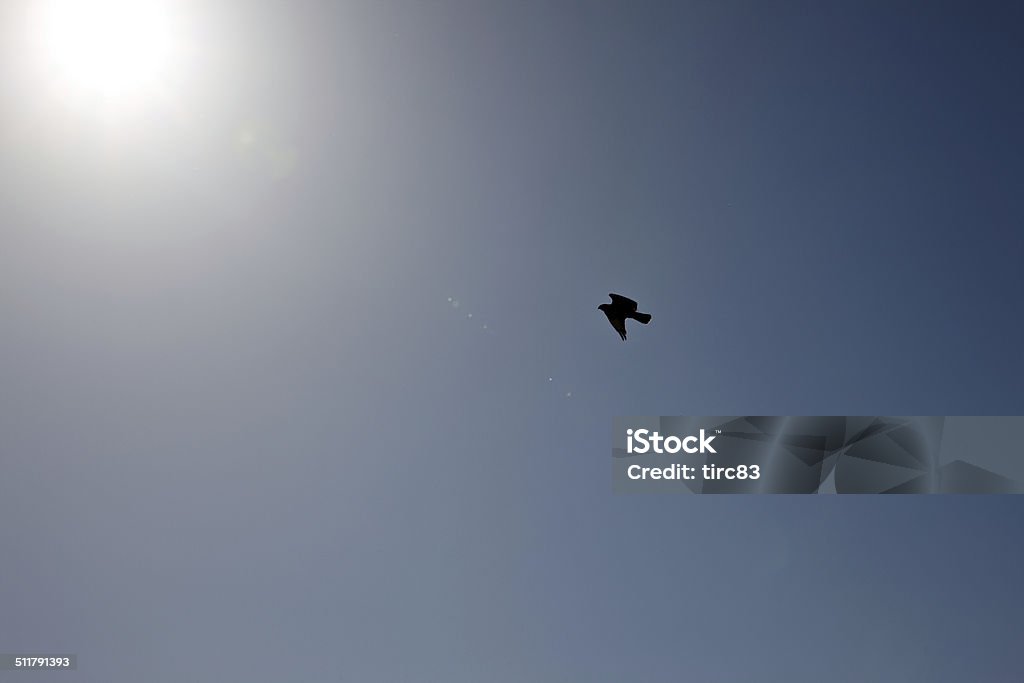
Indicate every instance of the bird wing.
{"type": "Point", "coordinates": [620, 326]}
{"type": "Point", "coordinates": [627, 304]}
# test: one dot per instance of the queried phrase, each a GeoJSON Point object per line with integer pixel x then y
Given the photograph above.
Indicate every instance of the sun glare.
{"type": "Point", "coordinates": [111, 49]}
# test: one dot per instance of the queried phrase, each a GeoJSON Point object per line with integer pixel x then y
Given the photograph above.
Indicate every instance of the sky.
{"type": "Point", "coordinates": [302, 375]}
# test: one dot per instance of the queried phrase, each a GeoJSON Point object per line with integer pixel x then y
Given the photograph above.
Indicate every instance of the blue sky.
{"type": "Point", "coordinates": [246, 435]}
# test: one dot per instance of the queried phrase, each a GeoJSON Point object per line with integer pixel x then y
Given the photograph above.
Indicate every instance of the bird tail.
{"type": "Point", "coordinates": [642, 317]}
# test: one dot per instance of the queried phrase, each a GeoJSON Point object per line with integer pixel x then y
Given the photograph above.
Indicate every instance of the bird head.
{"type": "Point", "coordinates": [602, 307]}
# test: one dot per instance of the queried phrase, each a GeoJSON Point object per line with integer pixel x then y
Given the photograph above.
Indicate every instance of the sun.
{"type": "Point", "coordinates": [113, 50]}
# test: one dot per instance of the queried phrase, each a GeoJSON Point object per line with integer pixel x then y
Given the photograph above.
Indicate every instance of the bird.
{"type": "Point", "coordinates": [621, 308]}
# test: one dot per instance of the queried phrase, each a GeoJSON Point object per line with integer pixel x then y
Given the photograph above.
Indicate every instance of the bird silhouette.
{"type": "Point", "coordinates": [619, 310]}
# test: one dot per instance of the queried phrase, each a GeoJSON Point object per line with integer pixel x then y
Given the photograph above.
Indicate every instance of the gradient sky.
{"type": "Point", "coordinates": [247, 435]}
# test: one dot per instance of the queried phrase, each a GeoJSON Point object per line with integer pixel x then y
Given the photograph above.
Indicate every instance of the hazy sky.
{"type": "Point", "coordinates": [247, 435]}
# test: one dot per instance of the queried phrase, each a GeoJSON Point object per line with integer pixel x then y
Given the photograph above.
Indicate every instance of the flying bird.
{"type": "Point", "coordinates": [621, 308]}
